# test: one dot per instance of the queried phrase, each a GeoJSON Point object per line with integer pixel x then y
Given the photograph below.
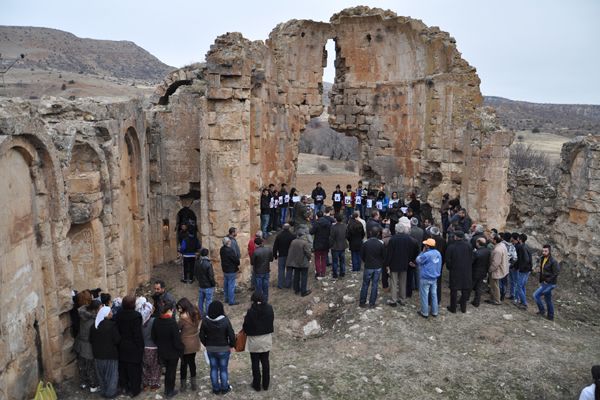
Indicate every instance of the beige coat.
{"type": "Point", "coordinates": [189, 334]}
{"type": "Point", "coordinates": [499, 262]}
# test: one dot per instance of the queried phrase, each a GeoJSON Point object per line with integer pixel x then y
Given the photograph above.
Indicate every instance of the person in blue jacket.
{"type": "Point", "coordinates": [430, 266]}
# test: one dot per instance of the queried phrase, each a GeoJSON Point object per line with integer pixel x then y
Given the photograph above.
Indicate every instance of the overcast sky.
{"type": "Point", "coordinates": [541, 51]}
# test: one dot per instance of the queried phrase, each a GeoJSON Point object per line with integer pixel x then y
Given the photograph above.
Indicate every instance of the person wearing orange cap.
{"type": "Point", "coordinates": [430, 267]}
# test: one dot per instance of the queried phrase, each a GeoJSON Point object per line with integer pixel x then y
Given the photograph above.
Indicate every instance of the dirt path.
{"type": "Point", "coordinates": [488, 353]}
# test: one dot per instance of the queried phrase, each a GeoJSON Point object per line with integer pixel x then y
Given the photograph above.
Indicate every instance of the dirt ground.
{"type": "Point", "coordinates": [491, 352]}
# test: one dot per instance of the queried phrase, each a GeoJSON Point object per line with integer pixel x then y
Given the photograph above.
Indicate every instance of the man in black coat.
{"type": "Point", "coordinates": [261, 266]}
{"type": "Point", "coordinates": [281, 247]}
{"type": "Point", "coordinates": [402, 250]}
{"type": "Point", "coordinates": [230, 264]}
{"type": "Point", "coordinates": [373, 255]}
{"type": "Point", "coordinates": [374, 221]}
{"type": "Point", "coordinates": [355, 234]}
{"type": "Point", "coordinates": [318, 196]}
{"type": "Point", "coordinates": [131, 348]}
{"type": "Point", "coordinates": [165, 334]}
{"type": "Point", "coordinates": [459, 261]}
{"type": "Point", "coordinates": [321, 230]}
{"type": "Point", "coordinates": [481, 266]}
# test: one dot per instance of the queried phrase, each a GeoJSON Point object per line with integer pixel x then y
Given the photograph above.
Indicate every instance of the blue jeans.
{"type": "Point", "coordinates": [264, 224]}
{"type": "Point", "coordinates": [521, 287]}
{"type": "Point", "coordinates": [370, 277]}
{"type": "Point", "coordinates": [503, 285]}
{"type": "Point", "coordinates": [355, 260]}
{"type": "Point", "coordinates": [428, 286]}
{"type": "Point", "coordinates": [318, 207]}
{"type": "Point", "coordinates": [283, 214]}
{"type": "Point", "coordinates": [262, 284]}
{"type": "Point", "coordinates": [545, 290]}
{"type": "Point", "coordinates": [349, 212]}
{"type": "Point", "coordinates": [205, 296]}
{"type": "Point", "coordinates": [218, 370]}
{"type": "Point", "coordinates": [229, 287]}
{"type": "Point", "coordinates": [513, 278]}
{"type": "Point", "coordinates": [281, 272]}
{"type": "Point", "coordinates": [339, 260]}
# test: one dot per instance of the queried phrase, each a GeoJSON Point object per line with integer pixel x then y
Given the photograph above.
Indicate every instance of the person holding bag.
{"type": "Point", "coordinates": [258, 326]}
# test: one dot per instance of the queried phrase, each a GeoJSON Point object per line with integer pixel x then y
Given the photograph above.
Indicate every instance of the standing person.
{"type": "Point", "coordinates": [273, 206]}
{"type": "Point", "coordinates": [444, 210]}
{"type": "Point", "coordinates": [338, 244]}
{"type": "Point", "coordinates": [161, 295]}
{"type": "Point", "coordinates": [459, 261]}
{"type": "Point", "coordinates": [321, 229]}
{"type": "Point", "coordinates": [338, 199]}
{"type": "Point", "coordinates": [131, 347]}
{"type": "Point", "coordinates": [430, 267]}
{"type": "Point", "coordinates": [261, 265]}
{"type": "Point", "coordinates": [105, 339]}
{"type": "Point", "coordinates": [188, 249]}
{"type": "Point", "coordinates": [216, 334]}
{"type": "Point", "coordinates": [205, 275]}
{"type": "Point", "coordinates": [265, 212]}
{"type": "Point", "coordinates": [498, 269]}
{"type": "Point", "coordinates": [481, 266]}
{"type": "Point", "coordinates": [251, 248]}
{"type": "Point", "coordinates": [402, 251]}
{"type": "Point", "coordinates": [386, 235]}
{"type": "Point", "coordinates": [549, 270]}
{"type": "Point", "coordinates": [592, 392]}
{"type": "Point", "coordinates": [506, 282]}
{"type": "Point", "coordinates": [525, 265]}
{"type": "Point", "coordinates": [355, 233]}
{"type": "Point", "coordinates": [150, 365]}
{"type": "Point", "coordinates": [301, 214]}
{"type": "Point", "coordinates": [418, 234]}
{"type": "Point", "coordinates": [83, 347]}
{"type": "Point", "coordinates": [258, 326]}
{"type": "Point", "coordinates": [374, 221]}
{"type": "Point", "coordinates": [230, 264]}
{"type": "Point", "coordinates": [281, 247]}
{"type": "Point", "coordinates": [298, 261]}
{"type": "Point", "coordinates": [349, 200]}
{"type": "Point", "coordinates": [440, 245]}
{"type": "Point", "coordinates": [234, 244]}
{"type": "Point", "coordinates": [373, 255]}
{"type": "Point", "coordinates": [185, 216]}
{"type": "Point", "coordinates": [189, 320]}
{"type": "Point", "coordinates": [360, 199]}
{"type": "Point", "coordinates": [415, 205]}
{"type": "Point", "coordinates": [284, 203]}
{"type": "Point", "coordinates": [318, 195]}
{"type": "Point", "coordinates": [382, 203]}
{"type": "Point", "coordinates": [165, 333]}
{"type": "Point", "coordinates": [294, 198]}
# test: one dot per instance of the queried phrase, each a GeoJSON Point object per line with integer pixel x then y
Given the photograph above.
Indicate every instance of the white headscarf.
{"type": "Point", "coordinates": [144, 308]}
{"type": "Point", "coordinates": [102, 313]}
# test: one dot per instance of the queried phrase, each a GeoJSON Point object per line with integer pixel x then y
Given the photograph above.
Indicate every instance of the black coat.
{"type": "Point", "coordinates": [440, 245]}
{"type": "Point", "coordinates": [264, 204]}
{"type": "Point", "coordinates": [355, 234]}
{"type": "Point", "coordinates": [230, 262]}
{"type": "Point", "coordinates": [131, 348]}
{"type": "Point", "coordinates": [481, 263]}
{"type": "Point", "coordinates": [550, 271]}
{"type": "Point", "coordinates": [459, 261]}
{"type": "Point", "coordinates": [371, 223]}
{"type": "Point", "coordinates": [165, 333]}
{"type": "Point", "coordinates": [105, 340]}
{"type": "Point", "coordinates": [282, 243]}
{"type": "Point", "coordinates": [259, 320]}
{"type": "Point", "coordinates": [217, 332]}
{"type": "Point", "coordinates": [372, 253]}
{"type": "Point", "coordinates": [523, 263]}
{"type": "Point", "coordinates": [261, 260]}
{"type": "Point", "coordinates": [321, 230]}
{"type": "Point", "coordinates": [318, 192]}
{"type": "Point", "coordinates": [401, 249]}
{"type": "Point", "coordinates": [204, 273]}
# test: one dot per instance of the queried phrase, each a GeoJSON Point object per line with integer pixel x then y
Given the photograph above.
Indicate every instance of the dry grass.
{"type": "Point", "coordinates": [548, 143]}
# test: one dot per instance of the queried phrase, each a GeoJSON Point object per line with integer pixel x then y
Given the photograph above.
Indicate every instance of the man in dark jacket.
{"type": "Point", "coordinates": [131, 348]}
{"type": "Point", "coordinates": [284, 202]}
{"type": "Point", "coordinates": [402, 250]}
{"type": "Point", "coordinates": [298, 261]}
{"type": "Point", "coordinates": [524, 265]}
{"type": "Point", "coordinates": [318, 196]}
{"type": "Point", "coordinates": [161, 295]}
{"type": "Point", "coordinates": [265, 212]}
{"type": "Point", "coordinates": [374, 221]}
{"type": "Point", "coordinates": [355, 234]}
{"type": "Point", "coordinates": [165, 334]}
{"type": "Point", "coordinates": [321, 229]}
{"type": "Point", "coordinates": [372, 254]}
{"type": "Point", "coordinates": [459, 261]}
{"type": "Point", "coordinates": [337, 242]}
{"type": "Point", "coordinates": [261, 265]}
{"type": "Point", "coordinates": [205, 275]}
{"type": "Point", "coordinates": [481, 266]}
{"type": "Point", "coordinates": [281, 247]}
{"type": "Point", "coordinates": [549, 270]}
{"type": "Point", "coordinates": [105, 339]}
{"type": "Point", "coordinates": [301, 214]}
{"type": "Point", "coordinates": [188, 249]}
{"type": "Point", "coordinates": [230, 264]}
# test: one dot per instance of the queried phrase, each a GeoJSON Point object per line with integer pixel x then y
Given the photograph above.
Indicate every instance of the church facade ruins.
{"type": "Point", "coordinates": [90, 188]}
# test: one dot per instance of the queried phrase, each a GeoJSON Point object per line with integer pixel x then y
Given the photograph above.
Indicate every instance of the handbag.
{"type": "Point", "coordinates": [240, 341]}
{"type": "Point", "coordinates": [45, 392]}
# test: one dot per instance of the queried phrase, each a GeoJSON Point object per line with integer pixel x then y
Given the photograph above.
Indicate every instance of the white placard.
{"type": "Point", "coordinates": [404, 209]}
{"type": "Point", "coordinates": [275, 203]}
{"type": "Point", "coordinates": [337, 197]}
{"type": "Point", "coordinates": [379, 205]}
{"type": "Point", "coordinates": [348, 200]}
{"type": "Point", "coordinates": [287, 198]}
{"type": "Point", "coordinates": [296, 199]}
{"type": "Point", "coordinates": [319, 197]}
{"type": "Point", "coordinates": [358, 200]}
{"type": "Point", "coordinates": [393, 201]}
{"type": "Point", "coordinates": [369, 203]}
{"type": "Point", "coordinates": [280, 199]}
{"type": "Point", "coordinates": [272, 203]}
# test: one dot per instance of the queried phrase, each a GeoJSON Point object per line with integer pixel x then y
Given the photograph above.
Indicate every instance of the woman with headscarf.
{"type": "Point", "coordinates": [105, 339]}
{"type": "Point", "coordinates": [150, 364]}
{"type": "Point", "coordinates": [189, 320]}
{"type": "Point", "coordinates": [258, 326]}
{"type": "Point", "coordinates": [592, 392]}
{"type": "Point", "coordinates": [83, 348]}
{"type": "Point", "coordinates": [165, 334]}
{"type": "Point", "coordinates": [131, 348]}
{"type": "Point", "coordinates": [216, 334]}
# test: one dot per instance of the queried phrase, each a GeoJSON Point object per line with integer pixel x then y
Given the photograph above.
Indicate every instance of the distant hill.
{"type": "Point", "coordinates": [52, 49]}
{"type": "Point", "coordinates": [568, 120]}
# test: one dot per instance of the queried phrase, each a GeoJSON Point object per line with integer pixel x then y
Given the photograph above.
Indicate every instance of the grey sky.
{"type": "Point", "coordinates": [542, 51]}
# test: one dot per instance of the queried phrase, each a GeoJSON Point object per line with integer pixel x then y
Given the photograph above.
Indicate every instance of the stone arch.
{"type": "Point", "coordinates": [30, 208]}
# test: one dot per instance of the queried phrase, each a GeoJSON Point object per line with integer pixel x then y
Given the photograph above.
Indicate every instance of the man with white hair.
{"type": "Point", "coordinates": [230, 263]}
{"type": "Point", "coordinates": [402, 250]}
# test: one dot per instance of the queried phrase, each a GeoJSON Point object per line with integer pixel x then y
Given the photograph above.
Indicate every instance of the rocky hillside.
{"type": "Point", "coordinates": [562, 119]}
{"type": "Point", "coordinates": [51, 49]}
